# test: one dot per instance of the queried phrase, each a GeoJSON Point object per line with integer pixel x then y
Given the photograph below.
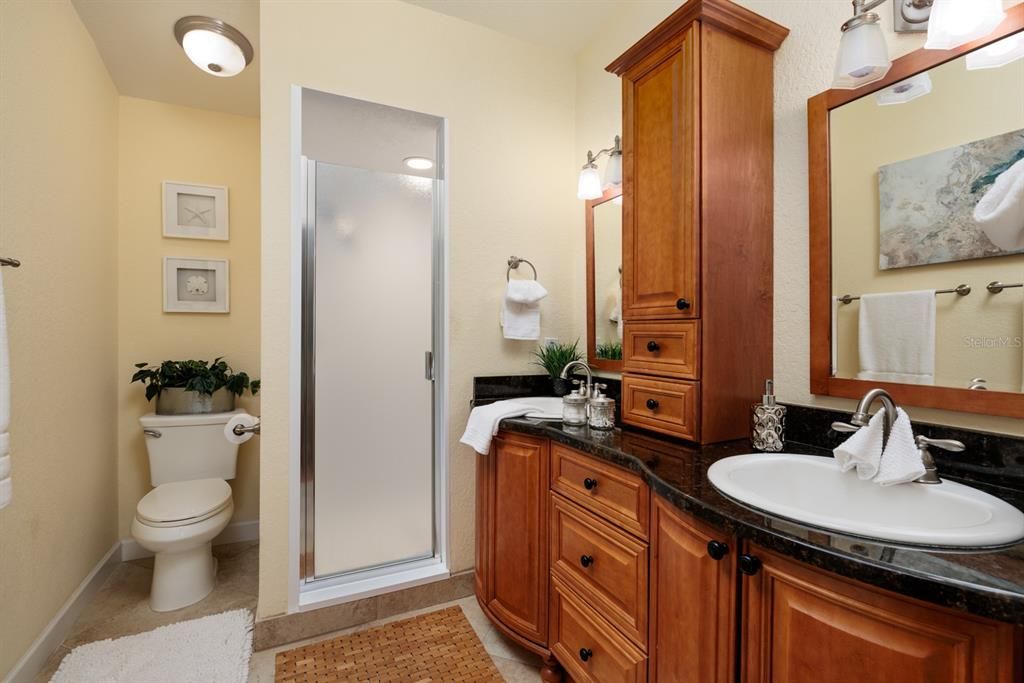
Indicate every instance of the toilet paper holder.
{"type": "Point", "coordinates": [239, 430]}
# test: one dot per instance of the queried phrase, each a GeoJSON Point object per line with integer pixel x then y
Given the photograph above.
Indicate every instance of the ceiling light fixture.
{"type": "Point", "coordinates": [419, 163]}
{"type": "Point", "coordinates": [590, 185]}
{"type": "Point", "coordinates": [216, 47]}
{"type": "Point", "coordinates": [905, 91]}
{"type": "Point", "coordinates": [1000, 53]}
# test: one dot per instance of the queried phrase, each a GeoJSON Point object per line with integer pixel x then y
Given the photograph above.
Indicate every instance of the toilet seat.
{"type": "Point", "coordinates": [181, 503]}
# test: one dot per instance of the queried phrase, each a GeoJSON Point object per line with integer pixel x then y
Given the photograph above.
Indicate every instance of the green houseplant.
{"type": "Point", "coordinates": [553, 358]}
{"type": "Point", "coordinates": [193, 386]}
{"type": "Point", "coordinates": [609, 351]}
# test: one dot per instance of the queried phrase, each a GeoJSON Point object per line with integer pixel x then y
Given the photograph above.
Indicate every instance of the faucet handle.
{"type": "Point", "coordinates": [844, 427]}
{"type": "Point", "coordinates": [924, 442]}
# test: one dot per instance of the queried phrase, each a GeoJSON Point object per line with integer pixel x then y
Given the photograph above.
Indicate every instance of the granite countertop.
{"type": "Point", "coordinates": [988, 583]}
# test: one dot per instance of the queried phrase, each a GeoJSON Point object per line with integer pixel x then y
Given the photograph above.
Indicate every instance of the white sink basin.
{"type": "Point", "coordinates": [813, 490]}
{"type": "Point", "coordinates": [545, 407]}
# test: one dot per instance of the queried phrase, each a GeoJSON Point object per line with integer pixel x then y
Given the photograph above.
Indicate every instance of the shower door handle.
{"type": "Point", "coordinates": [428, 365]}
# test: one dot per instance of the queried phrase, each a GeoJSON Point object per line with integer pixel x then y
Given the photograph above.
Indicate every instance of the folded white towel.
{"type": "Point", "coordinates": [1000, 213]}
{"type": "Point", "coordinates": [484, 420]}
{"type": "Point", "coordinates": [863, 450]}
{"type": "Point", "coordinates": [6, 486]}
{"type": "Point", "coordinates": [901, 460]}
{"type": "Point", "coordinates": [896, 337]}
{"type": "Point", "coordinates": [520, 309]}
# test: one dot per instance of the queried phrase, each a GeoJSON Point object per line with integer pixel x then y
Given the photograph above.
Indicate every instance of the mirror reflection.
{"type": "Point", "coordinates": [606, 318]}
{"type": "Point", "coordinates": [927, 182]}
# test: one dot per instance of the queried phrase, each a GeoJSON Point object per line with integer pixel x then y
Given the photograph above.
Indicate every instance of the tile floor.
{"type": "Point", "coordinates": [121, 608]}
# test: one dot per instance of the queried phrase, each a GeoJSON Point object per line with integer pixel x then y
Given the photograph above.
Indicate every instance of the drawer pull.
{"type": "Point", "coordinates": [653, 346]}
{"type": "Point", "coordinates": [652, 404]}
{"type": "Point", "coordinates": [586, 560]}
{"type": "Point", "coordinates": [590, 484]}
{"type": "Point", "coordinates": [717, 550]}
{"type": "Point", "coordinates": [749, 564]}
{"type": "Point", "coordinates": [682, 304]}
{"type": "Point", "coordinates": [586, 653]}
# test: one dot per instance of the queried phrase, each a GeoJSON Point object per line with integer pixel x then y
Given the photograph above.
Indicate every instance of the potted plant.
{"type": "Point", "coordinates": [553, 358]}
{"type": "Point", "coordinates": [184, 387]}
{"type": "Point", "coordinates": [609, 351]}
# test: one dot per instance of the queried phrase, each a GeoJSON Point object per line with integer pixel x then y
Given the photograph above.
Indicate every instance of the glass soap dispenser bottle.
{"type": "Point", "coordinates": [769, 427]}
{"type": "Point", "coordinates": [602, 409]}
{"type": "Point", "coordinates": [574, 407]}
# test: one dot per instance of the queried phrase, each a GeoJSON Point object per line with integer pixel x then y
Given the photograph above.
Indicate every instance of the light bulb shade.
{"type": "Point", "coordinates": [863, 57]}
{"type": "Point", "coordinates": [999, 53]}
{"type": "Point", "coordinates": [905, 91]}
{"type": "Point", "coordinates": [955, 22]}
{"type": "Point", "coordinates": [217, 48]}
{"type": "Point", "coordinates": [613, 171]}
{"type": "Point", "coordinates": [590, 184]}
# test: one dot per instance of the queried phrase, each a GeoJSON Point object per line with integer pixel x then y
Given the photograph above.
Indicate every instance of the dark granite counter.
{"type": "Point", "coordinates": [988, 583]}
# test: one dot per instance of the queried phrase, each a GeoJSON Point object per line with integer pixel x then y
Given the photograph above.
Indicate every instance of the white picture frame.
{"type": "Point", "coordinates": [196, 212]}
{"type": "Point", "coordinates": [196, 285]}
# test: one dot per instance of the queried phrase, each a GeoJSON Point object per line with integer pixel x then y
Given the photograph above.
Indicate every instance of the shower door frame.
{"type": "Point", "coordinates": [318, 591]}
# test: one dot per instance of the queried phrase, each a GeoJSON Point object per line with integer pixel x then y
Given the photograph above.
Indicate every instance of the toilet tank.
{"type": "Point", "coordinates": [185, 447]}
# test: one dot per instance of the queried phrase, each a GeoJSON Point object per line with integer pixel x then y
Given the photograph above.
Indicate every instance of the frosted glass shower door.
{"type": "Point", "coordinates": [372, 272]}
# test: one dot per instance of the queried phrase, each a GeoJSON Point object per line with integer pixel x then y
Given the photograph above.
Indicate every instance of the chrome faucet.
{"type": "Point", "coordinates": [586, 369]}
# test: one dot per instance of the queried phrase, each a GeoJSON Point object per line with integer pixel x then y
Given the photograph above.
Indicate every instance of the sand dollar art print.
{"type": "Point", "coordinates": [929, 205]}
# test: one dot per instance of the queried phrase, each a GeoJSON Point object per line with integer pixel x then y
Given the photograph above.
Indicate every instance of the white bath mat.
{"type": "Point", "coordinates": [214, 648]}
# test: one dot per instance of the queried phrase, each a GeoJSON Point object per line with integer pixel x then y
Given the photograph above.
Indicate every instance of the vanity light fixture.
{"type": "Point", "coordinates": [419, 163]}
{"type": "Point", "coordinates": [955, 22]}
{"type": "Point", "coordinates": [1000, 53]}
{"type": "Point", "coordinates": [905, 91]}
{"type": "Point", "coordinates": [216, 47]}
{"type": "Point", "coordinates": [590, 185]}
{"type": "Point", "coordinates": [863, 56]}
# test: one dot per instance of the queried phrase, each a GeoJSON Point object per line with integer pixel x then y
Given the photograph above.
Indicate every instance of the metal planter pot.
{"type": "Point", "coordinates": [182, 402]}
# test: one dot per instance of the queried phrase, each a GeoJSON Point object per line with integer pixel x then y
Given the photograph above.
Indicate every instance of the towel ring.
{"type": "Point", "coordinates": [513, 264]}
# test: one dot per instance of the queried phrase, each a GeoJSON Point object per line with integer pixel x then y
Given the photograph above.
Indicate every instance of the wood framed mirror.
{"type": "Point", "coordinates": [604, 281]}
{"type": "Point", "coordinates": [896, 190]}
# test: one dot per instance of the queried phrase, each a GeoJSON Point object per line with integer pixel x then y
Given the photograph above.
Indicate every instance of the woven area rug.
{"type": "Point", "coordinates": [431, 648]}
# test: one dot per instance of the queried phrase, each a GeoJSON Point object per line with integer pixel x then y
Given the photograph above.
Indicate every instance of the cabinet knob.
{"type": "Point", "coordinates": [652, 404]}
{"type": "Point", "coordinates": [586, 560]}
{"type": "Point", "coordinates": [749, 564]}
{"type": "Point", "coordinates": [653, 346]}
{"type": "Point", "coordinates": [586, 653]}
{"type": "Point", "coordinates": [590, 484]}
{"type": "Point", "coordinates": [717, 550]}
{"type": "Point", "coordinates": [682, 304]}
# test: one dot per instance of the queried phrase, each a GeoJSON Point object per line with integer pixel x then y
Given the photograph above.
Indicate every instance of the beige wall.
{"type": "Point", "coordinates": [58, 187]}
{"type": "Point", "coordinates": [159, 142]}
{"type": "Point", "coordinates": [509, 107]}
{"type": "Point", "coordinates": [964, 106]}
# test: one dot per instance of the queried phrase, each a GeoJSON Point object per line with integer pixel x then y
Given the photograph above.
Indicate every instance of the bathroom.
{"type": "Point", "coordinates": [356, 518]}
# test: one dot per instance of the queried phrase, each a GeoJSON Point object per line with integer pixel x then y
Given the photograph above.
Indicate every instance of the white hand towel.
{"type": "Point", "coordinates": [484, 420]}
{"type": "Point", "coordinates": [1000, 213]}
{"type": "Point", "coordinates": [6, 485]}
{"type": "Point", "coordinates": [901, 460]}
{"type": "Point", "coordinates": [520, 309]}
{"type": "Point", "coordinates": [896, 337]}
{"type": "Point", "coordinates": [863, 450]}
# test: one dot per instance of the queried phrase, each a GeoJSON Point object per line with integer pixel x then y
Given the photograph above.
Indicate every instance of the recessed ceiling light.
{"type": "Point", "coordinates": [214, 46]}
{"type": "Point", "coordinates": [419, 163]}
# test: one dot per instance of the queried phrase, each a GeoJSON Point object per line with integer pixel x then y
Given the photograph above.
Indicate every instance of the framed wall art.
{"type": "Point", "coordinates": [197, 212]}
{"type": "Point", "coordinates": [195, 285]}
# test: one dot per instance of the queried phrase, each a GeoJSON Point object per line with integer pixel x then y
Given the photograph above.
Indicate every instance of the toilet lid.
{"type": "Point", "coordinates": [184, 501]}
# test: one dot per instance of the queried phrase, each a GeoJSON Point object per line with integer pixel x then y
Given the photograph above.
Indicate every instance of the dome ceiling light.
{"type": "Point", "coordinates": [216, 47]}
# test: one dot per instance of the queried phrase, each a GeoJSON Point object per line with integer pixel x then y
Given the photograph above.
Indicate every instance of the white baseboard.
{"type": "Point", "coordinates": [236, 532]}
{"type": "Point", "coordinates": [33, 661]}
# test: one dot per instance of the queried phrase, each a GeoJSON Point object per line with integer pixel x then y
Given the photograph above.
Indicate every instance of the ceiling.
{"type": "Point", "coordinates": [136, 42]}
{"type": "Point", "coordinates": [563, 25]}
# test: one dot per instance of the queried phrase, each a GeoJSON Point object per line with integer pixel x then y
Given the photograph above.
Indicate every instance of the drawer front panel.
{"type": "Point", "coordinates": [588, 647]}
{"type": "Point", "coordinates": [606, 490]}
{"type": "Point", "coordinates": [606, 566]}
{"type": "Point", "coordinates": [662, 348]}
{"type": "Point", "coordinates": [667, 406]}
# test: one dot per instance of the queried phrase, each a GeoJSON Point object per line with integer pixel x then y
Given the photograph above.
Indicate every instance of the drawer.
{"type": "Point", "coordinates": [667, 406]}
{"type": "Point", "coordinates": [608, 491]}
{"type": "Point", "coordinates": [607, 567]}
{"type": "Point", "coordinates": [662, 348]}
{"type": "Point", "coordinates": [587, 646]}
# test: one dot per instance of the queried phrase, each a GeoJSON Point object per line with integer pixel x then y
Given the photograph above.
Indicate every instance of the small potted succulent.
{"type": "Point", "coordinates": [185, 387]}
{"type": "Point", "coordinates": [553, 358]}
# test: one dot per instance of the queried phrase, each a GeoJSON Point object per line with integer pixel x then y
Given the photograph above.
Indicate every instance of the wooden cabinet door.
{"type": "Point", "coordinates": [516, 583]}
{"type": "Point", "coordinates": [801, 624]}
{"type": "Point", "coordinates": [660, 234]}
{"type": "Point", "coordinates": [693, 601]}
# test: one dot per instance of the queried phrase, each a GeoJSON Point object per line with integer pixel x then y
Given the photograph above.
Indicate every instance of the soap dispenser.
{"type": "Point", "coordinates": [602, 409]}
{"type": "Point", "coordinates": [769, 427]}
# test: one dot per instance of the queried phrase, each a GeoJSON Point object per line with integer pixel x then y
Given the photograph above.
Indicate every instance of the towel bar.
{"type": "Point", "coordinates": [962, 290]}
{"type": "Point", "coordinates": [996, 287]}
{"type": "Point", "coordinates": [513, 264]}
{"type": "Point", "coordinates": [12, 262]}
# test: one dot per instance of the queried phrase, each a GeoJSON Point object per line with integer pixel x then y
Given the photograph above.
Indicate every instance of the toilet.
{"type": "Point", "coordinates": [190, 461]}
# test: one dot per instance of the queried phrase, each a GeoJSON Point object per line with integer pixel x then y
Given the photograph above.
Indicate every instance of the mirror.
{"type": "Point", "coordinates": [917, 230]}
{"type": "Point", "coordinates": [604, 281]}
